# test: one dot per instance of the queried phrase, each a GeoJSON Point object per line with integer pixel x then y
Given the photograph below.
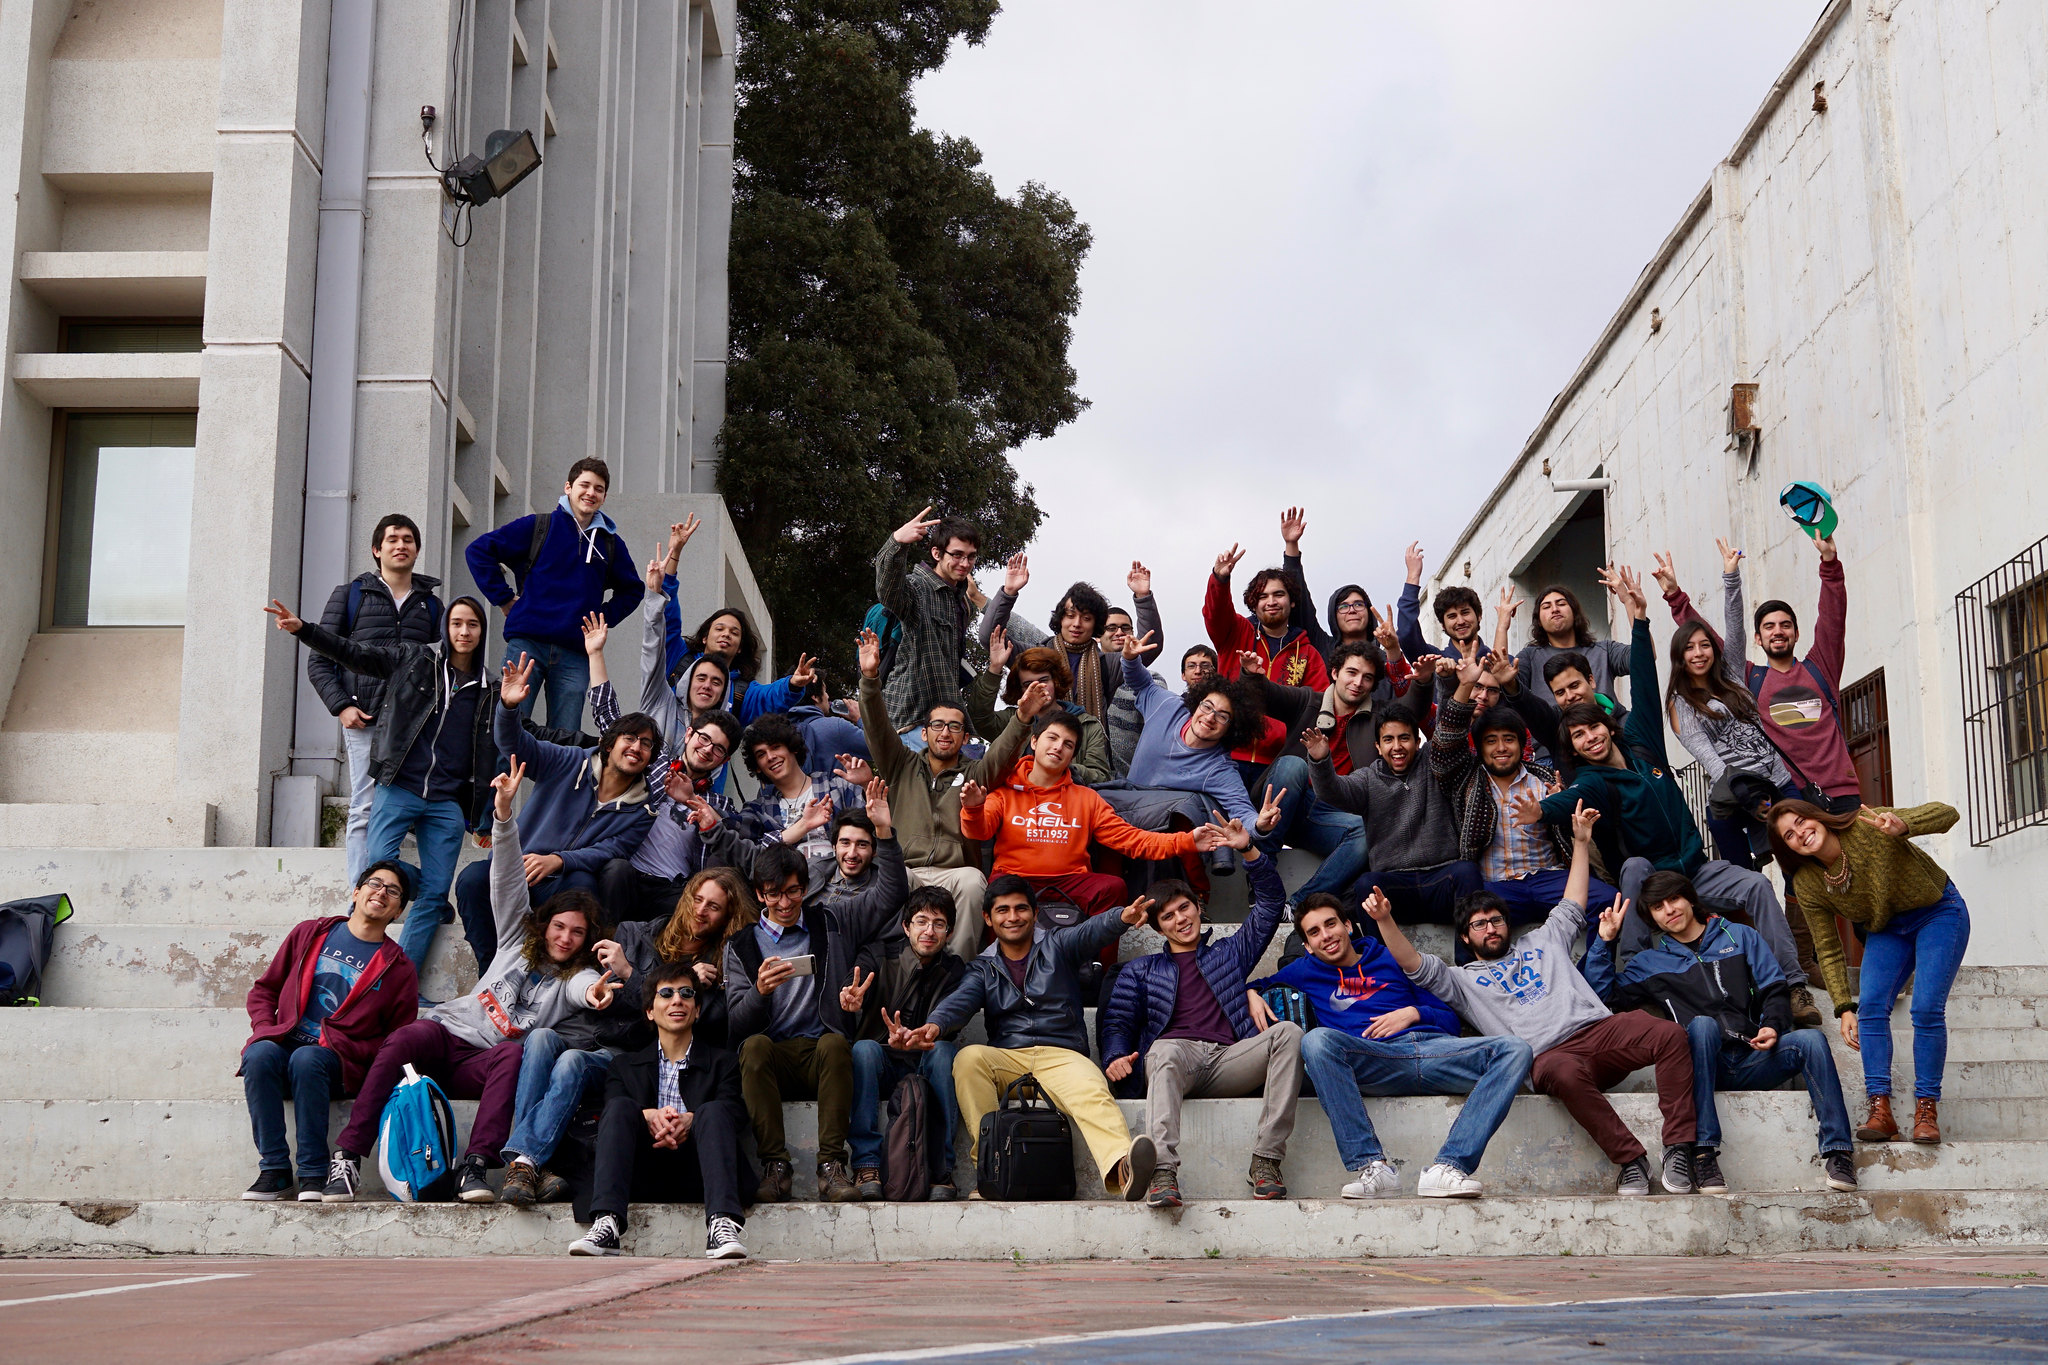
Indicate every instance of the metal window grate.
{"type": "Point", "coordinates": [2002, 627]}
{"type": "Point", "coordinates": [1867, 725]}
{"type": "Point", "coordinates": [1694, 782]}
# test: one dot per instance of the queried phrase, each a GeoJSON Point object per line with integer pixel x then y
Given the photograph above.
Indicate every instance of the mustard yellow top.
{"type": "Point", "coordinates": [1887, 876]}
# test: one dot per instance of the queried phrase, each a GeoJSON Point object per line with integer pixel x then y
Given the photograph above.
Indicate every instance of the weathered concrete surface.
{"type": "Point", "coordinates": [1287, 1229]}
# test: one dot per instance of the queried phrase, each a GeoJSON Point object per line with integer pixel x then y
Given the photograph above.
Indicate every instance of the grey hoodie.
{"type": "Point", "coordinates": [1535, 993]}
{"type": "Point", "coordinates": [1409, 822]}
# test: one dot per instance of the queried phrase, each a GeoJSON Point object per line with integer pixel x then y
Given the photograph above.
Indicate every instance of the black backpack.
{"type": "Point", "coordinates": [27, 929]}
{"type": "Point", "coordinates": [1025, 1149]}
{"type": "Point", "coordinates": [914, 1144]}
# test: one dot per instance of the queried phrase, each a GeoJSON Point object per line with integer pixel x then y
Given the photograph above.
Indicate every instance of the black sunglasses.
{"type": "Point", "coordinates": [671, 992]}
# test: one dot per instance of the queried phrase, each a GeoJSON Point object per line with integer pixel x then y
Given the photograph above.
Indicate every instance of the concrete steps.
{"type": "Point", "coordinates": [1605, 1225]}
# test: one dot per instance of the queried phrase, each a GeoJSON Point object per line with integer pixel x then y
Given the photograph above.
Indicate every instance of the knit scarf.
{"type": "Point", "coordinates": [1088, 682]}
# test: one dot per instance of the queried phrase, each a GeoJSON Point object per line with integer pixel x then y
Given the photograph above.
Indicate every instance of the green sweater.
{"type": "Point", "coordinates": [1888, 877]}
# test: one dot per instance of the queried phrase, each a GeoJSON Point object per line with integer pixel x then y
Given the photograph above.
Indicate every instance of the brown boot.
{"type": "Point", "coordinates": [1878, 1127]}
{"type": "Point", "coordinates": [1927, 1121]}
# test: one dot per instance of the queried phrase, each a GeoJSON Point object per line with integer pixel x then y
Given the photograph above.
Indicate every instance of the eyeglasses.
{"type": "Point", "coordinates": [378, 887]}
{"type": "Point", "coordinates": [781, 895]}
{"type": "Point", "coordinates": [671, 992]}
{"type": "Point", "coordinates": [1117, 628]}
{"type": "Point", "coordinates": [1485, 922]}
{"type": "Point", "coordinates": [635, 741]}
{"type": "Point", "coordinates": [711, 746]}
{"type": "Point", "coordinates": [946, 727]}
{"type": "Point", "coordinates": [930, 922]}
{"type": "Point", "coordinates": [962, 556]}
{"type": "Point", "coordinates": [1351, 606]}
{"type": "Point", "coordinates": [1213, 710]}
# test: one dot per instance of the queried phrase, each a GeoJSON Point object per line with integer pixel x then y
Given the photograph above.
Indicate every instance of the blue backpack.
{"type": "Point", "coordinates": [416, 1141]}
{"type": "Point", "coordinates": [888, 629]}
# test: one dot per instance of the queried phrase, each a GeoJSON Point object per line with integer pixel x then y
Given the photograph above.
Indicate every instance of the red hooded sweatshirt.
{"type": "Point", "coordinates": [385, 997]}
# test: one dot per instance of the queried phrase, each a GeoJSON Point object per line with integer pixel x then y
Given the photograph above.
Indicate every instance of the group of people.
{"type": "Point", "coordinates": [676, 964]}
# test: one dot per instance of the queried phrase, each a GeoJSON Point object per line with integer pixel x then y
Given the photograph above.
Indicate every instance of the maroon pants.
{"type": "Point", "coordinates": [489, 1075]}
{"type": "Point", "coordinates": [1599, 1055]}
{"type": "Point", "coordinates": [1094, 893]}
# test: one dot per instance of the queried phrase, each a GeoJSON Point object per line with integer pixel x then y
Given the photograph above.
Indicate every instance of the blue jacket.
{"type": "Point", "coordinates": [1047, 1012]}
{"type": "Point", "coordinates": [1347, 999]}
{"type": "Point", "coordinates": [1141, 1003]}
{"type": "Point", "coordinates": [576, 569]}
{"type": "Point", "coordinates": [1728, 975]}
{"type": "Point", "coordinates": [746, 699]}
{"type": "Point", "coordinates": [562, 815]}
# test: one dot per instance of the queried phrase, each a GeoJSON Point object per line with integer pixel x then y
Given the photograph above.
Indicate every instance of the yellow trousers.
{"type": "Point", "coordinates": [1075, 1084]}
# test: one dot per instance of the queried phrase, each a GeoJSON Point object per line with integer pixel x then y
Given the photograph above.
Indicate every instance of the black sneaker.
{"type": "Point", "coordinates": [722, 1241]}
{"type": "Point", "coordinates": [601, 1240]}
{"type": "Point", "coordinates": [344, 1174]}
{"type": "Point", "coordinates": [309, 1189]}
{"type": "Point", "coordinates": [1138, 1168]}
{"type": "Point", "coordinates": [1841, 1168]}
{"type": "Point", "coordinates": [1635, 1177]}
{"type": "Point", "coordinates": [553, 1189]}
{"type": "Point", "coordinates": [1677, 1174]}
{"type": "Point", "coordinates": [944, 1193]}
{"type": "Point", "coordinates": [1706, 1171]}
{"type": "Point", "coordinates": [271, 1185]}
{"type": "Point", "coordinates": [471, 1186]}
{"type": "Point", "coordinates": [1164, 1191]}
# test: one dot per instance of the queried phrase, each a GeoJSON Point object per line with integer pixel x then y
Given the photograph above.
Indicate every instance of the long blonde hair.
{"type": "Point", "coordinates": [682, 926]}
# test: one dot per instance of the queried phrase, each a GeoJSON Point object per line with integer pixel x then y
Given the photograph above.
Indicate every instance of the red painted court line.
{"type": "Point", "coordinates": [390, 1343]}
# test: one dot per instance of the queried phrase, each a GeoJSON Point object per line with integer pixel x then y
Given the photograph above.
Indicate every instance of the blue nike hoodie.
{"type": "Point", "coordinates": [1350, 998]}
{"type": "Point", "coordinates": [577, 567]}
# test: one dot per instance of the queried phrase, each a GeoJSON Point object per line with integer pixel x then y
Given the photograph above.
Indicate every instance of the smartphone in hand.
{"type": "Point", "coordinates": [802, 966]}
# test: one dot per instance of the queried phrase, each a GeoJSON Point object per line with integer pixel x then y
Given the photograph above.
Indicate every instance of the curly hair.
{"type": "Point", "coordinates": [683, 927]}
{"type": "Point", "coordinates": [534, 929]}
{"type": "Point", "coordinates": [1247, 707]}
{"type": "Point", "coordinates": [1038, 659]}
{"type": "Point", "coordinates": [772, 730]}
{"type": "Point", "coordinates": [1442, 603]}
{"type": "Point", "coordinates": [1258, 585]}
{"type": "Point", "coordinates": [632, 723]}
{"type": "Point", "coordinates": [1084, 598]}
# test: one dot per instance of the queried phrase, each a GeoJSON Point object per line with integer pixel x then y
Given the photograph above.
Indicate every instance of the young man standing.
{"type": "Point", "coordinates": [1380, 1034]}
{"type": "Point", "coordinates": [336, 990]}
{"type": "Point", "coordinates": [1719, 982]}
{"type": "Point", "coordinates": [1532, 990]}
{"type": "Point", "coordinates": [925, 788]}
{"type": "Point", "coordinates": [1182, 1013]}
{"type": "Point", "coordinates": [930, 600]}
{"type": "Point", "coordinates": [1457, 611]}
{"type": "Point", "coordinates": [904, 984]}
{"type": "Point", "coordinates": [1027, 984]}
{"type": "Point", "coordinates": [1626, 775]}
{"type": "Point", "coordinates": [672, 1126]}
{"type": "Point", "coordinates": [1290, 656]}
{"type": "Point", "coordinates": [387, 605]}
{"type": "Point", "coordinates": [565, 564]}
{"type": "Point", "coordinates": [781, 987]}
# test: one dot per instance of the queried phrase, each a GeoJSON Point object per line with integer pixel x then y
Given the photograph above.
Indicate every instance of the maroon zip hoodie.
{"type": "Point", "coordinates": [359, 1024]}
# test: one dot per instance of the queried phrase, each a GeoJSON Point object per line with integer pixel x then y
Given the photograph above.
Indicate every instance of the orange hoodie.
{"type": "Point", "coordinates": [1044, 831]}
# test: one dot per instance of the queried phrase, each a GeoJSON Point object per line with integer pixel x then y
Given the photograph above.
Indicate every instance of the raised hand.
{"type": "Point", "coordinates": [850, 997]}
{"type": "Point", "coordinates": [1509, 603]}
{"type": "Point", "coordinates": [1666, 576]}
{"type": "Point", "coordinates": [1016, 573]}
{"type": "Point", "coordinates": [1036, 698]}
{"type": "Point", "coordinates": [1378, 907]}
{"type": "Point", "coordinates": [599, 996]}
{"type": "Point", "coordinates": [1383, 631]}
{"type": "Point", "coordinates": [1120, 1067]}
{"type": "Point", "coordinates": [702, 813]}
{"type": "Point", "coordinates": [1469, 665]}
{"type": "Point", "coordinates": [1826, 546]}
{"type": "Point", "coordinates": [1139, 580]}
{"type": "Point", "coordinates": [514, 681]}
{"type": "Point", "coordinates": [506, 786]}
{"type": "Point", "coordinates": [1234, 833]}
{"type": "Point", "coordinates": [848, 768]}
{"type": "Point", "coordinates": [803, 675]}
{"type": "Point", "coordinates": [1526, 809]}
{"type": "Point", "coordinates": [1584, 817]}
{"type": "Point", "coordinates": [596, 630]}
{"type": "Point", "coordinates": [972, 795]}
{"type": "Point", "coordinates": [1250, 664]}
{"type": "Point", "coordinates": [999, 649]}
{"type": "Point", "coordinates": [679, 533]}
{"type": "Point", "coordinates": [1611, 920]}
{"type": "Point", "coordinates": [1226, 563]}
{"type": "Point", "coordinates": [1499, 666]}
{"type": "Point", "coordinates": [1884, 820]}
{"type": "Point", "coordinates": [1731, 558]}
{"type": "Point", "coordinates": [869, 645]}
{"type": "Point", "coordinates": [876, 792]}
{"type": "Point", "coordinates": [1135, 647]}
{"type": "Point", "coordinates": [1315, 744]}
{"type": "Point", "coordinates": [1627, 585]}
{"type": "Point", "coordinates": [817, 815]}
{"type": "Point", "coordinates": [657, 570]}
{"type": "Point", "coordinates": [1134, 913]}
{"type": "Point", "coordinates": [1413, 559]}
{"type": "Point", "coordinates": [613, 959]}
{"type": "Point", "coordinates": [285, 620]}
{"type": "Point", "coordinates": [1424, 669]}
{"type": "Point", "coordinates": [1293, 525]}
{"type": "Point", "coordinates": [1269, 811]}
{"type": "Point", "coordinates": [912, 531]}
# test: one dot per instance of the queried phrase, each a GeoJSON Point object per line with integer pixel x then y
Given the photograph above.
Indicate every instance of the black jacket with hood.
{"type": "Point", "coordinates": [379, 621]}
{"type": "Point", "coordinates": [1324, 634]}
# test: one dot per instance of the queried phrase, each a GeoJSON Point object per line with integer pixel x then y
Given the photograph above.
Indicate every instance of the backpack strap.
{"type": "Point", "coordinates": [355, 605]}
{"type": "Point", "coordinates": [541, 522]}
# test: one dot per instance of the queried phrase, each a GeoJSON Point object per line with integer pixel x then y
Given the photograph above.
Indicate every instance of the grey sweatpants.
{"type": "Point", "coordinates": [1723, 881]}
{"type": "Point", "coordinates": [1179, 1069]}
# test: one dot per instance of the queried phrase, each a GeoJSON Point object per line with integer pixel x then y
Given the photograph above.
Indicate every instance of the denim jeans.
{"type": "Point", "coordinates": [1533, 897]}
{"type": "Point", "coordinates": [1927, 944]}
{"type": "Point", "coordinates": [1421, 895]}
{"type": "Point", "coordinates": [1346, 1067]}
{"type": "Point", "coordinates": [437, 826]}
{"type": "Point", "coordinates": [1720, 1063]}
{"type": "Point", "coordinates": [553, 1078]}
{"type": "Point", "coordinates": [356, 838]}
{"type": "Point", "coordinates": [564, 672]}
{"type": "Point", "coordinates": [313, 1074]}
{"type": "Point", "coordinates": [875, 1074]}
{"type": "Point", "coordinates": [1337, 836]}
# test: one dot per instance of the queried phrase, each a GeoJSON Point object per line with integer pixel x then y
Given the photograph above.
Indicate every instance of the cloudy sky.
{"type": "Point", "coordinates": [1345, 252]}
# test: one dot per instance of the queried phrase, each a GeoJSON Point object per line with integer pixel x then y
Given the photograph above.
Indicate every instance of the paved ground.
{"type": "Point", "coordinates": [1979, 1306]}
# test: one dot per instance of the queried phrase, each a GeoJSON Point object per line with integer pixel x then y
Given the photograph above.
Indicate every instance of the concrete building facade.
{"type": "Point", "coordinates": [1858, 297]}
{"type": "Point", "coordinates": [239, 330]}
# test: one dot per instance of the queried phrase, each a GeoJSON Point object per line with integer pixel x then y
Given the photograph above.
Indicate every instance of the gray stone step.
{"type": "Point", "coordinates": [1665, 1225]}
{"type": "Point", "coordinates": [179, 1149]}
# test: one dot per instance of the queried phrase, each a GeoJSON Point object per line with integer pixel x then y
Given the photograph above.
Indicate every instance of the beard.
{"type": "Point", "coordinates": [1485, 954]}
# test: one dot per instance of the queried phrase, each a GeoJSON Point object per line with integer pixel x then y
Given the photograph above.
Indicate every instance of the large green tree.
{"type": "Point", "coordinates": [898, 325]}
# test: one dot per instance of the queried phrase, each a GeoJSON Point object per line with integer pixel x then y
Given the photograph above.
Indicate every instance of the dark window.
{"type": "Point", "coordinates": [1867, 720]}
{"type": "Point", "coordinates": [2002, 626]}
{"type": "Point", "coordinates": [100, 336]}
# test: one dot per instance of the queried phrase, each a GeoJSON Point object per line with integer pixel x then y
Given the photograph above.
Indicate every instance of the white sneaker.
{"type": "Point", "coordinates": [602, 1240]}
{"type": "Point", "coordinates": [1378, 1180]}
{"type": "Point", "coordinates": [1445, 1181]}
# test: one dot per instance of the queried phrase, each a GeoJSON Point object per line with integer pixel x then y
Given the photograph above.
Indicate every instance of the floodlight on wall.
{"type": "Point", "coordinates": [508, 158]}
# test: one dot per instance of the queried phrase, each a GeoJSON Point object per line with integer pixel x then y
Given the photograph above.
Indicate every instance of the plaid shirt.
{"type": "Point", "coordinates": [668, 1082]}
{"type": "Point", "coordinates": [935, 617]}
{"type": "Point", "coordinates": [1464, 779]}
{"type": "Point", "coordinates": [1517, 850]}
{"type": "Point", "coordinates": [761, 819]}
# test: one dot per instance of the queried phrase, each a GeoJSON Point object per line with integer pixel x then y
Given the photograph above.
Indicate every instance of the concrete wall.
{"type": "Point", "coordinates": [1880, 271]}
{"type": "Point", "coordinates": [166, 160]}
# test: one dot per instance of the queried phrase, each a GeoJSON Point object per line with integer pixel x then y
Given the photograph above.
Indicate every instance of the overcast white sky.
{"type": "Point", "coordinates": [1345, 252]}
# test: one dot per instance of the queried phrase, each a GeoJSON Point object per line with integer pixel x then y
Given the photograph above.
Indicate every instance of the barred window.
{"type": "Point", "coordinates": [1867, 724]}
{"type": "Point", "coordinates": [2002, 626]}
